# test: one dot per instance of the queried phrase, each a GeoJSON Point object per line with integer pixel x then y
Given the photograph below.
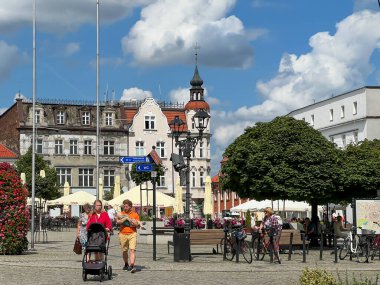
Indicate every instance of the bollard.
{"type": "Point", "coordinates": [303, 249]}
{"type": "Point", "coordinates": [335, 249]}
{"type": "Point", "coordinates": [290, 247]}
{"type": "Point", "coordinates": [237, 244]}
{"type": "Point", "coordinates": [225, 244]}
{"type": "Point", "coordinates": [272, 250]}
{"type": "Point", "coordinates": [321, 248]}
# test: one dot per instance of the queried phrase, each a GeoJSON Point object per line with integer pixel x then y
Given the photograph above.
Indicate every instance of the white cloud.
{"type": "Point", "coordinates": [180, 95]}
{"type": "Point", "coordinates": [365, 4]}
{"type": "Point", "coordinates": [10, 56]}
{"type": "Point", "coordinates": [169, 29]}
{"type": "Point", "coordinates": [72, 48]}
{"type": "Point", "coordinates": [60, 16]}
{"type": "Point", "coordinates": [135, 93]}
{"type": "Point", "coordinates": [335, 64]}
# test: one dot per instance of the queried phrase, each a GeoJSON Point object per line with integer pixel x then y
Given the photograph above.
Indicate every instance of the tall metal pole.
{"type": "Point", "coordinates": [154, 175]}
{"type": "Point", "coordinates": [97, 100]}
{"type": "Point", "coordinates": [34, 127]}
{"type": "Point", "coordinates": [187, 210]}
{"type": "Point", "coordinates": [172, 166]}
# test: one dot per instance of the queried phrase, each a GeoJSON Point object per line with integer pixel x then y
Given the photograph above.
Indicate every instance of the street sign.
{"type": "Point", "coordinates": [144, 167]}
{"type": "Point", "coordinates": [134, 159]}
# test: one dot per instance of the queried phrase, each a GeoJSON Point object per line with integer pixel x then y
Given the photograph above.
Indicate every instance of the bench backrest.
{"type": "Point", "coordinates": [209, 236]}
{"type": "Point", "coordinates": [286, 234]}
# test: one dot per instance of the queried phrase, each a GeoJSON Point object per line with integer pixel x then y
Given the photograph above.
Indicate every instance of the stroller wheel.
{"type": "Point", "coordinates": [109, 272]}
{"type": "Point", "coordinates": [84, 275]}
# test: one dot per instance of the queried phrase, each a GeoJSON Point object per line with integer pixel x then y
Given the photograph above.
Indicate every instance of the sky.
{"type": "Point", "coordinates": [258, 58]}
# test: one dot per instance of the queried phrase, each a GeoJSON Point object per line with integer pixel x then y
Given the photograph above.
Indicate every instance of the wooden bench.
{"type": "Point", "coordinates": [204, 237]}
{"type": "Point", "coordinates": [292, 238]}
{"type": "Point", "coordinates": [163, 230]}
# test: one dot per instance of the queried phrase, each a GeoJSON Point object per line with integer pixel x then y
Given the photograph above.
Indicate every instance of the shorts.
{"type": "Point", "coordinates": [128, 241]}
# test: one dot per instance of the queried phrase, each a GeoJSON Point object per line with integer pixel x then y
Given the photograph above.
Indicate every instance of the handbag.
{"type": "Point", "coordinates": [77, 246]}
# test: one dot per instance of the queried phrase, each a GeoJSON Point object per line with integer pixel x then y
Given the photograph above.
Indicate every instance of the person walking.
{"type": "Point", "coordinates": [82, 223]}
{"type": "Point", "coordinates": [129, 222]}
{"type": "Point", "coordinates": [112, 215]}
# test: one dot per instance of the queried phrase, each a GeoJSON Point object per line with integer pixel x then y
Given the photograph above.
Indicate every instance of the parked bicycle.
{"type": "Point", "coordinates": [374, 244]}
{"type": "Point", "coordinates": [266, 242]}
{"type": "Point", "coordinates": [355, 246]}
{"type": "Point", "coordinates": [229, 245]}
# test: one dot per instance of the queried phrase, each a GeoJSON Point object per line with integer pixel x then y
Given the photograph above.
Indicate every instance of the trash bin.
{"type": "Point", "coordinates": [181, 242]}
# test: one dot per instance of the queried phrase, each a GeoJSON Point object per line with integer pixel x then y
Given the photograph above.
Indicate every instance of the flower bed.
{"type": "Point", "coordinates": [14, 214]}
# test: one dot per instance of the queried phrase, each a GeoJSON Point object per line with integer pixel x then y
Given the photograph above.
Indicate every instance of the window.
{"type": "Point", "coordinates": [58, 147]}
{"type": "Point", "coordinates": [355, 109]}
{"type": "Point", "coordinates": [201, 178]}
{"type": "Point", "coordinates": [201, 149]}
{"type": "Point", "coordinates": [161, 181]}
{"type": "Point", "coordinates": [73, 146]}
{"type": "Point", "coordinates": [356, 138]}
{"type": "Point", "coordinates": [109, 119]}
{"type": "Point", "coordinates": [37, 116]}
{"type": "Point", "coordinates": [39, 146]}
{"type": "Point", "coordinates": [63, 175]}
{"type": "Point", "coordinates": [109, 178]}
{"type": "Point", "coordinates": [149, 122]}
{"type": "Point", "coordinates": [341, 112]}
{"type": "Point", "coordinates": [87, 147]}
{"type": "Point", "coordinates": [228, 195]}
{"type": "Point", "coordinates": [193, 125]}
{"type": "Point", "coordinates": [160, 148]}
{"type": "Point", "coordinates": [140, 148]}
{"type": "Point", "coordinates": [109, 148]}
{"type": "Point", "coordinates": [312, 120]}
{"type": "Point", "coordinates": [344, 140]}
{"type": "Point", "coordinates": [86, 118]}
{"type": "Point", "coordinates": [60, 117]}
{"type": "Point", "coordinates": [331, 115]}
{"type": "Point", "coordinates": [86, 177]}
{"type": "Point", "coordinates": [193, 178]}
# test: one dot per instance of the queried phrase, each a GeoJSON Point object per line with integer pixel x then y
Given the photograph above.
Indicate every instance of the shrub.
{"type": "Point", "coordinates": [317, 277]}
{"type": "Point", "coordinates": [248, 219]}
{"type": "Point", "coordinates": [14, 214]}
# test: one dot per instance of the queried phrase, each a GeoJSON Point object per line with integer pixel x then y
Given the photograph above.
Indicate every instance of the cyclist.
{"type": "Point", "coordinates": [271, 223]}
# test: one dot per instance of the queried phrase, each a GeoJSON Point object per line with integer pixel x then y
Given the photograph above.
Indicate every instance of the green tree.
{"type": "Point", "coordinates": [282, 159]}
{"type": "Point", "coordinates": [141, 177]}
{"type": "Point", "coordinates": [361, 169]}
{"type": "Point", "coordinates": [45, 188]}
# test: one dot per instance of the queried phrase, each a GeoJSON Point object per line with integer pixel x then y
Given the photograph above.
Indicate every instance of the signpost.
{"type": "Point", "coordinates": [134, 159]}
{"type": "Point", "coordinates": [144, 167]}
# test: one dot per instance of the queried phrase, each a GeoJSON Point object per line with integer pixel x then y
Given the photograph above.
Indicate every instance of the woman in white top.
{"type": "Point", "coordinates": [339, 230]}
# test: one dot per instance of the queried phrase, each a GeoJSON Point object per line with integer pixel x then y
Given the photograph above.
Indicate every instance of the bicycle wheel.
{"type": "Point", "coordinates": [246, 251]}
{"type": "Point", "coordinates": [343, 252]}
{"type": "Point", "coordinates": [362, 252]}
{"type": "Point", "coordinates": [257, 250]}
{"type": "Point", "coordinates": [230, 252]}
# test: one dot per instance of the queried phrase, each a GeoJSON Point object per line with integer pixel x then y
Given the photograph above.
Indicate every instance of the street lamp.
{"type": "Point", "coordinates": [186, 147]}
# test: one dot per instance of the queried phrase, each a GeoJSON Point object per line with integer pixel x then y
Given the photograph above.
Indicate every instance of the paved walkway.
{"type": "Point", "coordinates": [55, 263]}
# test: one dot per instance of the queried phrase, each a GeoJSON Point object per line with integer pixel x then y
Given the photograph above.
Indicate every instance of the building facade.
{"type": "Point", "coordinates": [66, 138]}
{"type": "Point", "coordinates": [347, 118]}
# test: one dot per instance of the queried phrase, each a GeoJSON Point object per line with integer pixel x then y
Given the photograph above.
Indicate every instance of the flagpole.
{"type": "Point", "coordinates": [97, 100]}
{"type": "Point", "coordinates": [34, 128]}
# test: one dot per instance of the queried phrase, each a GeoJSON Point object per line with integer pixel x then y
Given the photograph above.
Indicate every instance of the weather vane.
{"type": "Point", "coordinates": [197, 47]}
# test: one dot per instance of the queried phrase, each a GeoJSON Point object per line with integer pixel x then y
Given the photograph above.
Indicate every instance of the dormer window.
{"type": "Point", "coordinates": [61, 116]}
{"type": "Point", "coordinates": [86, 118]}
{"type": "Point", "coordinates": [37, 116]}
{"type": "Point", "coordinates": [109, 119]}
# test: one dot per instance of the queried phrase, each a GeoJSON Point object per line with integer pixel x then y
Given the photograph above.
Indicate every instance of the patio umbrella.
{"type": "Point", "coordinates": [77, 198]}
{"type": "Point", "coordinates": [100, 189]}
{"type": "Point", "coordinates": [116, 188]}
{"type": "Point", "coordinates": [133, 195]}
{"type": "Point", "coordinates": [66, 192]}
{"type": "Point", "coordinates": [178, 199]}
{"type": "Point", "coordinates": [208, 203]}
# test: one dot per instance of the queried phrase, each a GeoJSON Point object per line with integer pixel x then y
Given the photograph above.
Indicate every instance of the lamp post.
{"type": "Point", "coordinates": [186, 147]}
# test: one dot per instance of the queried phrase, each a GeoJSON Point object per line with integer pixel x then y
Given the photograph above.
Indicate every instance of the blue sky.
{"type": "Point", "coordinates": [258, 58]}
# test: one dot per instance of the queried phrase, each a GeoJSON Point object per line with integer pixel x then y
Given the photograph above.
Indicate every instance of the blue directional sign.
{"type": "Point", "coordinates": [144, 167]}
{"type": "Point", "coordinates": [134, 159]}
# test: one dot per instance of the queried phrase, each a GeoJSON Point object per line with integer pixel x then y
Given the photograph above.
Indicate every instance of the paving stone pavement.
{"type": "Point", "coordinates": [55, 263]}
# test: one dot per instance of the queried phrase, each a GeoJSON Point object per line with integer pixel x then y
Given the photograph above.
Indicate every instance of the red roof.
{"type": "Point", "coordinates": [129, 114]}
{"type": "Point", "coordinates": [196, 105]}
{"type": "Point", "coordinates": [6, 152]}
{"type": "Point", "coordinates": [171, 114]}
{"type": "Point", "coordinates": [215, 179]}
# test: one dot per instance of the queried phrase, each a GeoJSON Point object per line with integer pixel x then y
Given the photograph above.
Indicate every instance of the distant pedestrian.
{"type": "Point", "coordinates": [129, 222]}
{"type": "Point", "coordinates": [112, 215]}
{"type": "Point", "coordinates": [82, 223]}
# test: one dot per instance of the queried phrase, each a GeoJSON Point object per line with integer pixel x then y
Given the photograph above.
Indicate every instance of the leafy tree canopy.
{"type": "Point", "coordinates": [45, 188]}
{"type": "Point", "coordinates": [361, 164]}
{"type": "Point", "coordinates": [141, 177]}
{"type": "Point", "coordinates": [282, 159]}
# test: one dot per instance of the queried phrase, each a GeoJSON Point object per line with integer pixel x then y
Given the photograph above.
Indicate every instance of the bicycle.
{"type": "Point", "coordinates": [263, 242]}
{"type": "Point", "coordinates": [235, 237]}
{"type": "Point", "coordinates": [374, 243]}
{"type": "Point", "coordinates": [355, 246]}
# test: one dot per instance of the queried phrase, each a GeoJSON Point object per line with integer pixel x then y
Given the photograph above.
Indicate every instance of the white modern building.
{"type": "Point", "coordinates": [347, 118]}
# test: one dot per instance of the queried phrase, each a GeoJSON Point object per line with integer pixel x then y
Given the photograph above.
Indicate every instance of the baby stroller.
{"type": "Point", "coordinates": [97, 242]}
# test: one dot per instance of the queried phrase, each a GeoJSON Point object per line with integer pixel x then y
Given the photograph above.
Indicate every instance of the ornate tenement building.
{"type": "Point", "coordinates": [66, 138]}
